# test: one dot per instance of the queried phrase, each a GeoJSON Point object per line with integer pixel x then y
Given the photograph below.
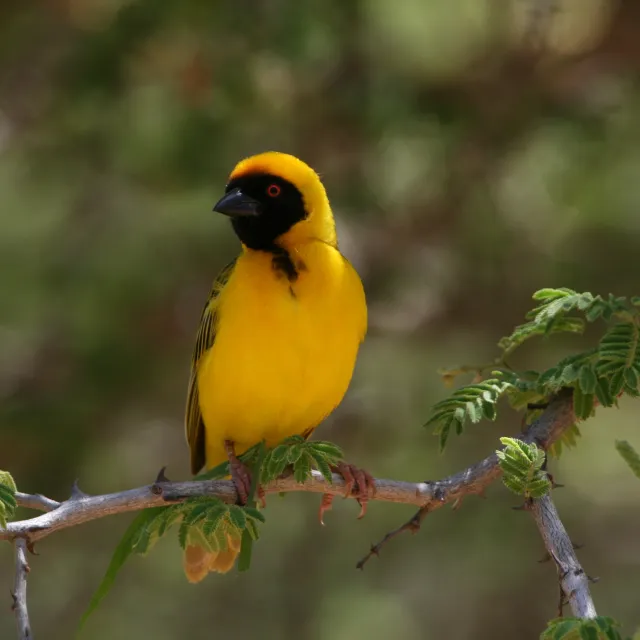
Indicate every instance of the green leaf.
{"type": "Point", "coordinates": [237, 516]}
{"type": "Point", "coordinates": [302, 469]}
{"type": "Point", "coordinates": [321, 464]}
{"type": "Point", "coordinates": [630, 378]}
{"type": "Point", "coordinates": [293, 453]}
{"type": "Point", "coordinates": [582, 403]}
{"type": "Point", "coordinates": [331, 452]}
{"type": "Point", "coordinates": [603, 393]}
{"type": "Point", "coordinates": [471, 402]}
{"type": "Point", "coordinates": [551, 294]}
{"type": "Point", "coordinates": [124, 549]}
{"type": "Point", "coordinates": [7, 480]}
{"type": "Point", "coordinates": [587, 379]}
{"type": "Point", "coordinates": [8, 503]}
{"type": "Point", "coordinates": [253, 514]}
{"type": "Point", "coordinates": [215, 515]}
{"type": "Point", "coordinates": [595, 311]}
{"type": "Point", "coordinates": [8, 499]}
{"type": "Point", "coordinates": [616, 383]}
{"type": "Point", "coordinates": [569, 374]}
{"type": "Point", "coordinates": [246, 543]}
{"type": "Point", "coordinates": [579, 628]}
{"type": "Point", "coordinates": [588, 632]}
{"type": "Point", "coordinates": [489, 410]}
{"type": "Point", "coordinates": [521, 465]}
{"type": "Point", "coordinates": [251, 530]}
{"type": "Point", "coordinates": [629, 455]}
{"type": "Point", "coordinates": [559, 628]}
{"type": "Point", "coordinates": [444, 434]}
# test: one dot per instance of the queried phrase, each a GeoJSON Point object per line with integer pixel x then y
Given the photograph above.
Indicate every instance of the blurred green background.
{"type": "Point", "coordinates": [474, 151]}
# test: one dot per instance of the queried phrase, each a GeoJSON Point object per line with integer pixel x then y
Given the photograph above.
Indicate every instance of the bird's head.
{"type": "Point", "coordinates": [275, 199]}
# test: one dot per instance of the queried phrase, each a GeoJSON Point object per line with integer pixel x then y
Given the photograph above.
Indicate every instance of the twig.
{"type": "Point", "coordinates": [413, 526]}
{"type": "Point", "coordinates": [36, 501]}
{"type": "Point", "coordinates": [574, 582]}
{"type": "Point", "coordinates": [544, 431]}
{"type": "Point", "coordinates": [20, 591]}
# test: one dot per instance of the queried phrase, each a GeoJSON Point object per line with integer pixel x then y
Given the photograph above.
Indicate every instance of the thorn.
{"type": "Point", "coordinates": [577, 545]}
{"type": "Point", "coordinates": [14, 597]}
{"type": "Point", "coordinates": [593, 579]}
{"type": "Point", "coordinates": [545, 558]}
{"type": "Point", "coordinates": [554, 484]}
{"type": "Point", "coordinates": [521, 507]}
{"type": "Point", "coordinates": [161, 477]}
{"type": "Point", "coordinates": [456, 504]}
{"type": "Point", "coordinates": [76, 492]}
{"type": "Point", "coordinates": [31, 548]}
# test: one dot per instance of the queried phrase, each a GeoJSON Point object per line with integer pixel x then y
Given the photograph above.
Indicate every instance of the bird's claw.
{"type": "Point", "coordinates": [241, 477]}
{"type": "Point", "coordinates": [357, 483]}
{"type": "Point", "coordinates": [325, 505]}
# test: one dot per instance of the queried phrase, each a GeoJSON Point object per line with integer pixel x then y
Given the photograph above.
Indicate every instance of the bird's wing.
{"type": "Point", "coordinates": [205, 338]}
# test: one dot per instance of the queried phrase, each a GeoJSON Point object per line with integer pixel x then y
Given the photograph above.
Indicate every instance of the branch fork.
{"type": "Point", "coordinates": [427, 496]}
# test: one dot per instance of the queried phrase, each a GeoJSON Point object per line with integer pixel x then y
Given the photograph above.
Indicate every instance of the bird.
{"type": "Point", "coordinates": [279, 334]}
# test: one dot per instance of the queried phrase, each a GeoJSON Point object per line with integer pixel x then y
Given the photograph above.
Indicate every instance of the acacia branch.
{"type": "Point", "coordinates": [428, 495]}
{"type": "Point", "coordinates": [20, 591]}
{"type": "Point", "coordinates": [544, 431]}
{"type": "Point", "coordinates": [574, 582]}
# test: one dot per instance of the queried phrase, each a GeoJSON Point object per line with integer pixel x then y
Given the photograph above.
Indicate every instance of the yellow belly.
{"type": "Point", "coordinates": [284, 352]}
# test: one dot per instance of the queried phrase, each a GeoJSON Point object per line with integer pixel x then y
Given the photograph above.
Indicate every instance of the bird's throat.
{"type": "Point", "coordinates": [282, 263]}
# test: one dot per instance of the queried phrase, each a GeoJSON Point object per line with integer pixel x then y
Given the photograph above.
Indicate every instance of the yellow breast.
{"type": "Point", "coordinates": [284, 351]}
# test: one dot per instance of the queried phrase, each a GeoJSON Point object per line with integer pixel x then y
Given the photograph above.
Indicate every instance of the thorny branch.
{"type": "Point", "coordinates": [574, 582]}
{"type": "Point", "coordinates": [428, 496]}
{"type": "Point", "coordinates": [475, 479]}
{"type": "Point", "coordinates": [80, 508]}
{"type": "Point", "coordinates": [544, 431]}
{"type": "Point", "coordinates": [19, 593]}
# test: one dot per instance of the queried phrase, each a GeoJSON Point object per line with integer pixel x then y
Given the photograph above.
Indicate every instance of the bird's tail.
{"type": "Point", "coordinates": [198, 562]}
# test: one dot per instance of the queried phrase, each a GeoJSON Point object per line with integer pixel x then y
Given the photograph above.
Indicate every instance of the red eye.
{"type": "Point", "coordinates": [273, 190]}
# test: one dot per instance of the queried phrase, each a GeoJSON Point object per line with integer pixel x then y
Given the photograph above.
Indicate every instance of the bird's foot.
{"type": "Point", "coordinates": [357, 483]}
{"type": "Point", "coordinates": [241, 476]}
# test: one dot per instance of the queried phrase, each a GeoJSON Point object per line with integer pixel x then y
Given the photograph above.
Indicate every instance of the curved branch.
{"type": "Point", "coordinates": [80, 509]}
{"type": "Point", "coordinates": [426, 495]}
{"type": "Point", "coordinates": [544, 431]}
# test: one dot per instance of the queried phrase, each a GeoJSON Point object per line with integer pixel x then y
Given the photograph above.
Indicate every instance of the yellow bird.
{"type": "Point", "coordinates": [279, 334]}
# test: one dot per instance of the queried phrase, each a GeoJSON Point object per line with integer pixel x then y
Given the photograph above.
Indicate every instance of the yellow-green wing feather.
{"type": "Point", "coordinates": [205, 338]}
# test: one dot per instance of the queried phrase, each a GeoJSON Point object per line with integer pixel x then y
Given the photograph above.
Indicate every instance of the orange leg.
{"type": "Point", "coordinates": [241, 475]}
{"type": "Point", "coordinates": [357, 482]}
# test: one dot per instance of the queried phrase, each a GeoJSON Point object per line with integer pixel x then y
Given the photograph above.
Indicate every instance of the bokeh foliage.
{"type": "Point", "coordinates": [470, 159]}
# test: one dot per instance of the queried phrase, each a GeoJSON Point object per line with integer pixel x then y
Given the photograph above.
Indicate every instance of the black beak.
{"type": "Point", "coordinates": [237, 204]}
